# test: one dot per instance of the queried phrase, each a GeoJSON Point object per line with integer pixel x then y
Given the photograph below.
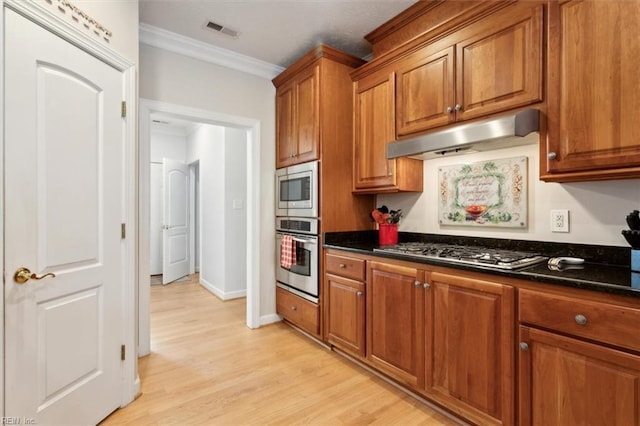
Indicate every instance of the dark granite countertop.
{"type": "Point", "coordinates": [606, 268]}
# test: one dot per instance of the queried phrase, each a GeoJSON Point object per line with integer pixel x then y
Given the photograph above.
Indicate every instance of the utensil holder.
{"type": "Point", "coordinates": [388, 234]}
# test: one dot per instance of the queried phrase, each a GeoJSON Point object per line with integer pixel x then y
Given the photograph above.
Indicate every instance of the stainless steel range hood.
{"type": "Point", "coordinates": [500, 132]}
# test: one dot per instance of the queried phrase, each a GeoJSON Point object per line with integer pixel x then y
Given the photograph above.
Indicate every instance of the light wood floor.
{"type": "Point", "coordinates": [207, 367]}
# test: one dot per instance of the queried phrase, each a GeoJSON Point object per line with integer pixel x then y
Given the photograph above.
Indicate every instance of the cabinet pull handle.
{"type": "Point", "coordinates": [551, 156]}
{"type": "Point", "coordinates": [417, 283]}
{"type": "Point", "coordinates": [426, 286]}
{"type": "Point", "coordinates": [458, 107]}
{"type": "Point", "coordinates": [359, 294]}
{"type": "Point", "coordinates": [581, 319]}
{"type": "Point", "coordinates": [389, 174]}
{"type": "Point", "coordinates": [342, 266]}
{"type": "Point", "coordinates": [449, 110]}
{"type": "Point", "coordinates": [524, 347]}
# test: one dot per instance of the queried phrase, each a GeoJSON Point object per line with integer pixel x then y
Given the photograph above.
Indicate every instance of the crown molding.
{"type": "Point", "coordinates": [167, 40]}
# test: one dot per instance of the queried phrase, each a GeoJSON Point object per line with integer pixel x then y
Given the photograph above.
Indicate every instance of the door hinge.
{"type": "Point", "coordinates": [122, 353]}
{"type": "Point", "coordinates": [123, 231]}
{"type": "Point", "coordinates": [123, 109]}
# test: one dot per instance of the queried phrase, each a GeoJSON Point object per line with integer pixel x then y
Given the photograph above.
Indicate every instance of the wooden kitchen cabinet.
{"type": "Point", "coordinates": [297, 118]}
{"type": "Point", "coordinates": [345, 317]}
{"type": "Point", "coordinates": [594, 92]}
{"type": "Point", "coordinates": [298, 311]}
{"type": "Point", "coordinates": [345, 309]}
{"type": "Point", "coordinates": [578, 361]}
{"type": "Point", "coordinates": [307, 95]}
{"type": "Point", "coordinates": [564, 381]}
{"type": "Point", "coordinates": [374, 125]}
{"type": "Point", "coordinates": [488, 66]}
{"type": "Point", "coordinates": [395, 322]}
{"type": "Point", "coordinates": [470, 359]}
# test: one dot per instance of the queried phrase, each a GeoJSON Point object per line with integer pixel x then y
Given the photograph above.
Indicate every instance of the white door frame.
{"type": "Point", "coordinates": [148, 107]}
{"type": "Point", "coordinates": [44, 15]}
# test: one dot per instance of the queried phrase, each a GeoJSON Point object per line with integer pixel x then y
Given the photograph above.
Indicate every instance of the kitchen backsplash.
{"type": "Point", "coordinates": [597, 210]}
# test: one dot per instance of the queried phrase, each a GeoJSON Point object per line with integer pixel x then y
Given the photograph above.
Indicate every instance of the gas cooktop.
{"type": "Point", "coordinates": [470, 255]}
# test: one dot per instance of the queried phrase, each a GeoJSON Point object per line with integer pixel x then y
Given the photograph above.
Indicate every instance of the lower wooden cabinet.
{"type": "Point", "coordinates": [470, 347]}
{"type": "Point", "coordinates": [298, 311]}
{"type": "Point", "coordinates": [395, 322]}
{"type": "Point", "coordinates": [579, 360]}
{"type": "Point", "coordinates": [345, 313]}
{"type": "Point", "coordinates": [565, 381]}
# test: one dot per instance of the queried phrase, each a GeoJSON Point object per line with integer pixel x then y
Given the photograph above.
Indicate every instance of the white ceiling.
{"type": "Point", "coordinates": [275, 31]}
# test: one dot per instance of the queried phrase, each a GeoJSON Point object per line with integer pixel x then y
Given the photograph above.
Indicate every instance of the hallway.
{"type": "Point", "coordinates": [207, 367]}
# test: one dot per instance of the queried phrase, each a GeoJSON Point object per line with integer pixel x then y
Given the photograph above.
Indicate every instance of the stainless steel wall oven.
{"type": "Point", "coordinates": [301, 277]}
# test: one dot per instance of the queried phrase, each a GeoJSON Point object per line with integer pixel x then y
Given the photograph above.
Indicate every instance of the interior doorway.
{"type": "Point", "coordinates": [250, 129]}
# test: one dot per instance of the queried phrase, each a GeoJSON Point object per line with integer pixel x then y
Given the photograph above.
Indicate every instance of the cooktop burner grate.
{"type": "Point", "coordinates": [473, 255]}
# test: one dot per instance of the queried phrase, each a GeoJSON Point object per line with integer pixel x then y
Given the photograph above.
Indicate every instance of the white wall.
{"type": "Point", "coordinates": [597, 210]}
{"type": "Point", "coordinates": [165, 143]}
{"type": "Point", "coordinates": [235, 200]}
{"type": "Point", "coordinates": [221, 153]}
{"type": "Point", "coordinates": [179, 80]}
{"type": "Point", "coordinates": [120, 17]}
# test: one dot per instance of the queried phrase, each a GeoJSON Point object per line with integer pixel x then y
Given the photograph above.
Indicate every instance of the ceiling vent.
{"type": "Point", "coordinates": [222, 29]}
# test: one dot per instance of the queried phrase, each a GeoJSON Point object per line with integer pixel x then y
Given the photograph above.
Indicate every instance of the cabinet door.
{"type": "Point", "coordinates": [594, 89]}
{"type": "Point", "coordinates": [374, 110]}
{"type": "Point", "coordinates": [470, 347]}
{"type": "Point", "coordinates": [345, 313]}
{"type": "Point", "coordinates": [500, 66]}
{"type": "Point", "coordinates": [425, 91]}
{"type": "Point", "coordinates": [564, 381]}
{"type": "Point", "coordinates": [395, 329]}
{"type": "Point", "coordinates": [285, 125]}
{"type": "Point", "coordinates": [307, 115]}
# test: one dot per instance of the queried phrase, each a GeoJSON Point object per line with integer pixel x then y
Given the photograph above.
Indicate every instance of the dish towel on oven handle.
{"type": "Point", "coordinates": [287, 252]}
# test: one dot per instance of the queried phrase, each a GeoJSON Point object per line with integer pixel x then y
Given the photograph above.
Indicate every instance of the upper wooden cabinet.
{"type": "Point", "coordinates": [374, 128]}
{"type": "Point", "coordinates": [307, 95]}
{"type": "Point", "coordinates": [594, 91]}
{"type": "Point", "coordinates": [298, 121]}
{"type": "Point", "coordinates": [486, 67]}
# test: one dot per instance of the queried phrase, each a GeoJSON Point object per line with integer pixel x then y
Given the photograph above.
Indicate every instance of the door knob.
{"type": "Point", "coordinates": [23, 275]}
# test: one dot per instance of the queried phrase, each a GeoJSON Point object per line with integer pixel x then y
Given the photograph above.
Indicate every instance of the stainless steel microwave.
{"type": "Point", "coordinates": [297, 190]}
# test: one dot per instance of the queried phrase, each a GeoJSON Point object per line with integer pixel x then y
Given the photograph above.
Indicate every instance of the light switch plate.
{"type": "Point", "coordinates": [559, 220]}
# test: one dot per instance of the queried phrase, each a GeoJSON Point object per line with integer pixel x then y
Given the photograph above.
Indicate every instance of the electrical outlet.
{"type": "Point", "coordinates": [559, 220]}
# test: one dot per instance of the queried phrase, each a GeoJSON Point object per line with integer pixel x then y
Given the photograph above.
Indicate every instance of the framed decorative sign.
{"type": "Point", "coordinates": [487, 193]}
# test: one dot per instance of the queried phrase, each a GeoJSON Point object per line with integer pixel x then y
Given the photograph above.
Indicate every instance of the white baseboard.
{"type": "Point", "coordinates": [269, 319]}
{"type": "Point", "coordinates": [221, 294]}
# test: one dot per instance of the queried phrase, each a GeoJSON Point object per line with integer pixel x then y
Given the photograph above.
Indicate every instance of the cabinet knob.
{"type": "Point", "coordinates": [581, 319]}
{"type": "Point", "coordinates": [359, 294]}
{"type": "Point", "coordinates": [449, 110]}
{"type": "Point", "coordinates": [458, 107]}
{"type": "Point", "coordinates": [426, 286]}
{"type": "Point", "coordinates": [551, 156]}
{"type": "Point", "coordinates": [342, 266]}
{"type": "Point", "coordinates": [389, 174]}
{"type": "Point", "coordinates": [417, 283]}
{"type": "Point", "coordinates": [293, 308]}
{"type": "Point", "coordinates": [524, 347]}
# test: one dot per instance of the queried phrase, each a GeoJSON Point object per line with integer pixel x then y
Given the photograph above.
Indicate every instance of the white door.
{"type": "Point", "coordinates": [175, 235]}
{"type": "Point", "coordinates": [63, 210]}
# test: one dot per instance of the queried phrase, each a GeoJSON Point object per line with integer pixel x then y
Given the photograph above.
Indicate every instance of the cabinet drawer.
{"type": "Point", "coordinates": [345, 266]}
{"type": "Point", "coordinates": [601, 321]}
{"type": "Point", "coordinates": [300, 312]}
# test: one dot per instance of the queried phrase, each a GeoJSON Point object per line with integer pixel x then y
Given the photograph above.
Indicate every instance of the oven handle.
{"type": "Point", "coordinates": [304, 241]}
